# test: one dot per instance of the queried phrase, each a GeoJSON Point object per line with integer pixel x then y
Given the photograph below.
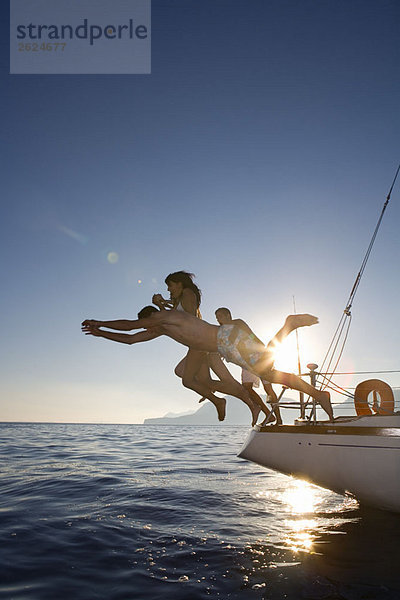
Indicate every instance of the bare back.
{"type": "Point", "coordinates": [185, 329]}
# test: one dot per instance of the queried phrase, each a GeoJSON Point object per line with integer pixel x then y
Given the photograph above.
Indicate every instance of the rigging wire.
{"type": "Point", "coordinates": [346, 317]}
{"type": "Point", "coordinates": [348, 321]}
{"type": "Point", "coordinates": [337, 388]}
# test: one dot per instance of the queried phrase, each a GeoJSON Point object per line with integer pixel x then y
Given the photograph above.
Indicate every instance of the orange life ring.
{"type": "Point", "coordinates": [381, 391]}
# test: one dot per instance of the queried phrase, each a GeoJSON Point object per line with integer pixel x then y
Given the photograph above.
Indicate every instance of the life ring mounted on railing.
{"type": "Point", "coordinates": [373, 397]}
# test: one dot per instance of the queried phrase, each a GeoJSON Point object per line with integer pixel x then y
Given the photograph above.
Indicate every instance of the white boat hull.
{"type": "Point", "coordinates": [347, 458]}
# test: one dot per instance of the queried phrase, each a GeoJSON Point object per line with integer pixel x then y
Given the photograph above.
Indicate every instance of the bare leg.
{"type": "Point", "coordinates": [256, 399]}
{"type": "Point", "coordinates": [229, 385]}
{"type": "Point", "coordinates": [226, 388]}
{"type": "Point", "coordinates": [292, 322]}
{"type": "Point", "coordinates": [194, 361]}
{"type": "Point", "coordinates": [199, 381]}
{"type": "Point", "coordinates": [180, 368]}
{"type": "Point", "coordinates": [273, 400]}
{"type": "Point", "coordinates": [295, 383]}
{"type": "Point", "coordinates": [289, 379]}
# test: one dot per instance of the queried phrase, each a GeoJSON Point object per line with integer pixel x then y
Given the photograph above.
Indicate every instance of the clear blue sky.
{"type": "Point", "coordinates": [257, 155]}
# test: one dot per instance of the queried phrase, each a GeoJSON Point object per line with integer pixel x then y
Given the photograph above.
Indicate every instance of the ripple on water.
{"type": "Point", "coordinates": [117, 512]}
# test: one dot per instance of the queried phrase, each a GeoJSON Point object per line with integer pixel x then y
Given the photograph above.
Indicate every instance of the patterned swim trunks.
{"type": "Point", "coordinates": [238, 347]}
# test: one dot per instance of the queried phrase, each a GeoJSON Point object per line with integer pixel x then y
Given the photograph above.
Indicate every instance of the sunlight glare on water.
{"type": "Point", "coordinates": [300, 498]}
{"type": "Point", "coordinates": [300, 538]}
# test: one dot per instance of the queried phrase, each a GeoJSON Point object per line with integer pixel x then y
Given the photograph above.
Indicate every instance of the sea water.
{"type": "Point", "coordinates": [123, 512]}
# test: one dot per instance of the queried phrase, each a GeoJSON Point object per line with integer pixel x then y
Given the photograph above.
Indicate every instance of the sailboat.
{"type": "Point", "coordinates": [352, 455]}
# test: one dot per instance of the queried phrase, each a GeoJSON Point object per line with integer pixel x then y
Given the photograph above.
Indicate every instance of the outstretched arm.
{"type": "Point", "coordinates": [123, 338]}
{"type": "Point", "coordinates": [124, 325]}
{"type": "Point", "coordinates": [120, 324]}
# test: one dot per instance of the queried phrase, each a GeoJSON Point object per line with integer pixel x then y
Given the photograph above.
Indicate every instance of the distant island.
{"type": "Point", "coordinates": [237, 413]}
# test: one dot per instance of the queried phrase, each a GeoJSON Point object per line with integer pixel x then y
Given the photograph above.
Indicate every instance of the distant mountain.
{"type": "Point", "coordinates": [237, 413]}
{"type": "Point", "coordinates": [172, 415]}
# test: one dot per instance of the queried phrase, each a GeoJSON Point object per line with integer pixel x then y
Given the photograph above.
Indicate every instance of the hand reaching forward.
{"type": "Point", "coordinates": [91, 327]}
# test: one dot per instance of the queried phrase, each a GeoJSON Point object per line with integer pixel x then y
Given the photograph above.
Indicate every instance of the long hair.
{"type": "Point", "coordinates": [186, 279]}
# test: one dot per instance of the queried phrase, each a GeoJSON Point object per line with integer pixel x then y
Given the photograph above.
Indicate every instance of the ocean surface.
{"type": "Point", "coordinates": [123, 512]}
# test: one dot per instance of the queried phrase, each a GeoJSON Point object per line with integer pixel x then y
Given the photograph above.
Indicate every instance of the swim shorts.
{"type": "Point", "coordinates": [230, 338]}
{"type": "Point", "coordinates": [248, 377]}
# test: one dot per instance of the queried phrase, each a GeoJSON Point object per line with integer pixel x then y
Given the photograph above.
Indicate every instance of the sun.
{"type": "Point", "coordinates": [286, 353]}
{"type": "Point", "coordinates": [286, 356]}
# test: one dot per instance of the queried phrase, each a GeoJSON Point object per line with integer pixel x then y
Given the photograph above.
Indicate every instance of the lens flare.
{"type": "Point", "coordinates": [112, 257]}
{"type": "Point", "coordinates": [82, 239]}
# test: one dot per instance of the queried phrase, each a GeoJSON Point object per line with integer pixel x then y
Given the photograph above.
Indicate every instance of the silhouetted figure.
{"type": "Point", "coordinates": [236, 344]}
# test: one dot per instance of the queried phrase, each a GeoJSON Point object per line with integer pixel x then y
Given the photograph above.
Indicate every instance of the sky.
{"type": "Point", "coordinates": [257, 155]}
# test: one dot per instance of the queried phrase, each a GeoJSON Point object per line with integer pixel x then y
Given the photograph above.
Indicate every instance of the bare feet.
{"type": "Point", "coordinates": [269, 420]}
{"type": "Point", "coordinates": [219, 403]}
{"type": "Point", "coordinates": [255, 411]}
{"type": "Point", "coordinates": [278, 419]}
{"type": "Point", "coordinates": [304, 320]}
{"type": "Point", "coordinates": [324, 400]}
{"type": "Point", "coordinates": [254, 408]}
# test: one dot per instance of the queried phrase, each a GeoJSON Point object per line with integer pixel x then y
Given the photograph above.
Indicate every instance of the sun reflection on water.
{"type": "Point", "coordinates": [300, 499]}
{"type": "Point", "coordinates": [300, 538]}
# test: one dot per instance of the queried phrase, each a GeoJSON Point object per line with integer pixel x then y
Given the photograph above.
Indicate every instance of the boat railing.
{"type": "Point", "coordinates": [302, 405]}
